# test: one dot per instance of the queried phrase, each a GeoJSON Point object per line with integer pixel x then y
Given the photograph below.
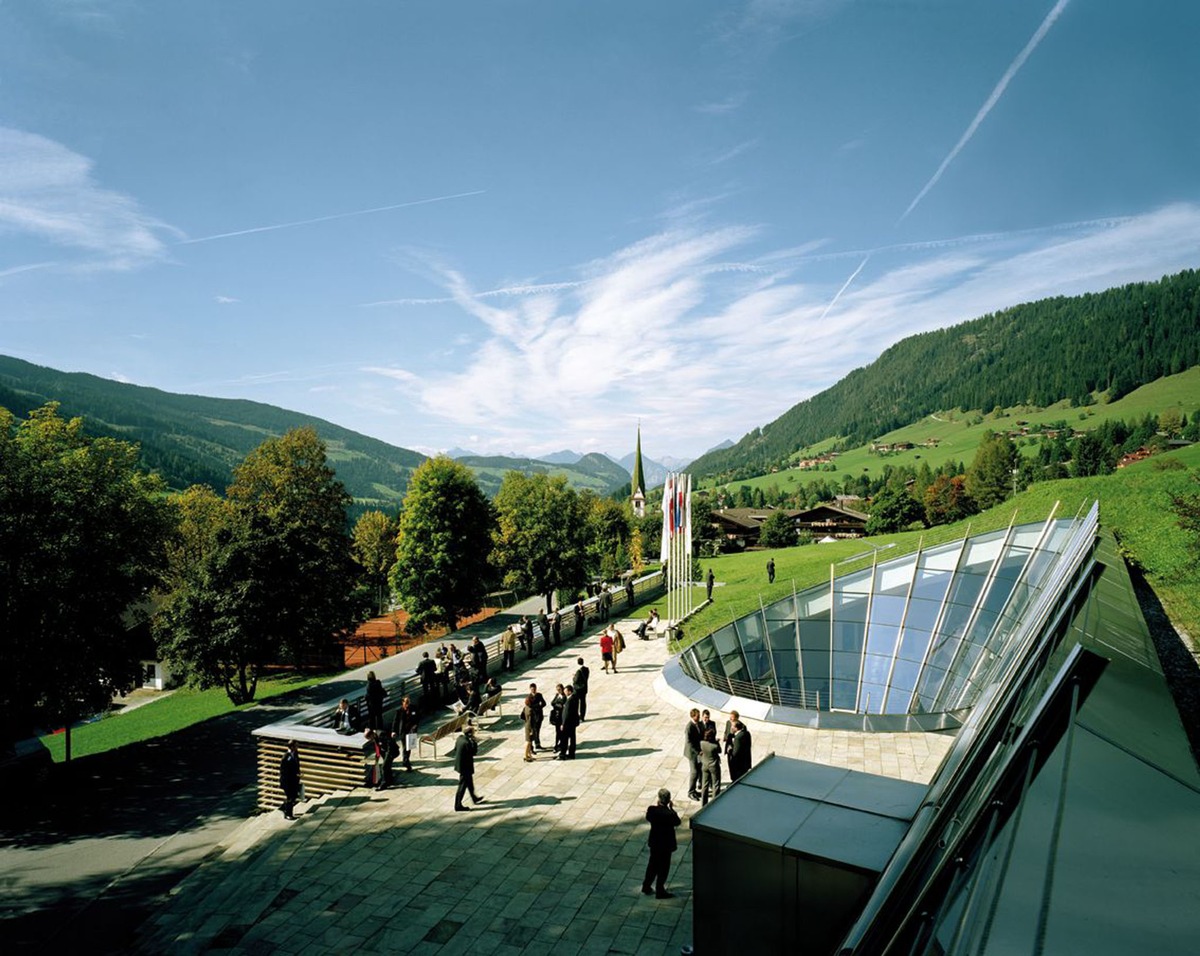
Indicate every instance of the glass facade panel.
{"type": "Point", "coordinates": [920, 633]}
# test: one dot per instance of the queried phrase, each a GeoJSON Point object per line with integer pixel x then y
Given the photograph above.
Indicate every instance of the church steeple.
{"type": "Point", "coordinates": [638, 479]}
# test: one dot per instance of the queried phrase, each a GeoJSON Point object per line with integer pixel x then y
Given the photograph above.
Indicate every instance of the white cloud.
{"type": "Point", "coordinates": [226, 300]}
{"type": "Point", "coordinates": [47, 192]}
{"type": "Point", "coordinates": [665, 332]}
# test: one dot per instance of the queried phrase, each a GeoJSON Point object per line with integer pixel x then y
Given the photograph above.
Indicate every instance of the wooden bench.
{"type": "Point", "coordinates": [456, 723]}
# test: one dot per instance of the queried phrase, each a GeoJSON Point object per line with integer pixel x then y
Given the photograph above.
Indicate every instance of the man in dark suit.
{"type": "Point", "coordinates": [580, 615]}
{"type": "Point", "coordinates": [465, 749]}
{"type": "Point", "coordinates": [693, 733]}
{"type": "Point", "coordinates": [739, 751]}
{"type": "Point", "coordinates": [663, 820]}
{"type": "Point", "coordinates": [770, 570]}
{"type": "Point", "coordinates": [427, 671]}
{"type": "Point", "coordinates": [289, 779]}
{"type": "Point", "coordinates": [570, 720]}
{"type": "Point", "coordinates": [544, 627]}
{"type": "Point", "coordinates": [556, 626]}
{"type": "Point", "coordinates": [580, 683]}
{"type": "Point", "coordinates": [479, 659]}
{"type": "Point", "coordinates": [527, 635]}
{"type": "Point", "coordinates": [727, 737]}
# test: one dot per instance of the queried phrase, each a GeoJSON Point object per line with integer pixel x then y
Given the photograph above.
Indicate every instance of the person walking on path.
{"type": "Point", "coordinates": [570, 721]}
{"type": "Point", "coordinates": [663, 820]}
{"type": "Point", "coordinates": [289, 779]}
{"type": "Point", "coordinates": [739, 751]}
{"type": "Point", "coordinates": [465, 749]}
{"type": "Point", "coordinates": [579, 684]}
{"type": "Point", "coordinates": [770, 570]}
{"type": "Point", "coordinates": [404, 729]}
{"type": "Point", "coordinates": [375, 695]}
{"type": "Point", "coordinates": [710, 766]}
{"type": "Point", "coordinates": [693, 733]}
{"type": "Point", "coordinates": [556, 716]}
{"type": "Point", "coordinates": [708, 584]}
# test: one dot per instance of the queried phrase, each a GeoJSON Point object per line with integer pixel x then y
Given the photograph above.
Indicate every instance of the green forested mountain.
{"type": "Point", "coordinates": [1036, 354]}
{"type": "Point", "coordinates": [595, 471]}
{"type": "Point", "coordinates": [189, 439]}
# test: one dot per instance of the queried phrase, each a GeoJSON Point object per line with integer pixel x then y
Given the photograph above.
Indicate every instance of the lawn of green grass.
{"type": "Point", "coordinates": [1134, 504]}
{"type": "Point", "coordinates": [175, 711]}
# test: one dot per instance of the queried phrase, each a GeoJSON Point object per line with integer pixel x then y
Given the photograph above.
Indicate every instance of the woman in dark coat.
{"type": "Point", "coordinates": [375, 694]}
{"type": "Point", "coordinates": [289, 779]}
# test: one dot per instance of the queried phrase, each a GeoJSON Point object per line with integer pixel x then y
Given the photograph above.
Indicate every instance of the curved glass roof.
{"type": "Point", "coordinates": [916, 635]}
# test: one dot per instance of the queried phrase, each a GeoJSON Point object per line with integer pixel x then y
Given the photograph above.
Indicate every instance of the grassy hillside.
{"type": "Point", "coordinates": [958, 433]}
{"type": "Point", "coordinates": [1134, 504]}
{"type": "Point", "coordinates": [595, 472]}
{"type": "Point", "coordinates": [1038, 353]}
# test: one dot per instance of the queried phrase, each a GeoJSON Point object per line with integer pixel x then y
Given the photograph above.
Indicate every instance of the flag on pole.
{"type": "Point", "coordinates": [668, 508]}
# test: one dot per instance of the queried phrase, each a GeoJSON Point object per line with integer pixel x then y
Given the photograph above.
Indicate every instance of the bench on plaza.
{"type": "Point", "coordinates": [456, 723]}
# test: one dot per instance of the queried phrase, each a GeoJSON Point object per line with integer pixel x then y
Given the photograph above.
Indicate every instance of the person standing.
{"type": "Point", "coordinates": [710, 766]}
{"type": "Point", "coordinates": [556, 716]}
{"type": "Point", "coordinates": [479, 660]}
{"type": "Point", "coordinates": [739, 751]}
{"type": "Point", "coordinates": [289, 779]}
{"type": "Point", "coordinates": [727, 737]}
{"type": "Point", "coordinates": [618, 644]}
{"type": "Point", "coordinates": [527, 633]}
{"type": "Point", "coordinates": [404, 729]}
{"type": "Point", "coordinates": [629, 595]}
{"type": "Point", "coordinates": [389, 748]}
{"type": "Point", "coordinates": [579, 684]}
{"type": "Point", "coordinates": [708, 584]}
{"type": "Point", "coordinates": [535, 703]}
{"type": "Point", "coordinates": [663, 820]}
{"type": "Point", "coordinates": [707, 724]}
{"type": "Point", "coordinates": [375, 695]}
{"type": "Point", "coordinates": [580, 615]}
{"type": "Point", "coordinates": [570, 721]}
{"type": "Point", "coordinates": [556, 626]}
{"type": "Point", "coordinates": [606, 648]}
{"type": "Point", "coordinates": [693, 733]}
{"type": "Point", "coordinates": [508, 645]}
{"type": "Point", "coordinates": [427, 671]}
{"type": "Point", "coordinates": [770, 570]}
{"type": "Point", "coordinates": [465, 749]}
{"type": "Point", "coordinates": [544, 627]}
{"type": "Point", "coordinates": [605, 602]}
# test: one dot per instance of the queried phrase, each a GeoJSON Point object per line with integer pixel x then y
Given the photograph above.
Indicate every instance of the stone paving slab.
{"type": "Point", "coordinates": [552, 862]}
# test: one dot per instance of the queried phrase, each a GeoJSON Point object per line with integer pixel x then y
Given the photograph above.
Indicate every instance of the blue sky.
{"type": "Point", "coordinates": [524, 226]}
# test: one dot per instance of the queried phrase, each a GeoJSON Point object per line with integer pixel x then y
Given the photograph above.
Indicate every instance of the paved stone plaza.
{"type": "Point", "coordinates": [552, 862]}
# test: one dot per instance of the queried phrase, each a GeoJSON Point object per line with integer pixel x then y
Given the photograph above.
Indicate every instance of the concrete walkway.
{"type": "Point", "coordinates": [551, 863]}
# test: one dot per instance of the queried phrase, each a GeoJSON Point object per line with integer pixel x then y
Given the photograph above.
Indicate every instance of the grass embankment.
{"type": "Point", "coordinates": [175, 711]}
{"type": "Point", "coordinates": [1135, 504]}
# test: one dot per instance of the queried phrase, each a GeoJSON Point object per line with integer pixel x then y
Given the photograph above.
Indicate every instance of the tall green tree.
{"type": "Point", "coordinates": [374, 548]}
{"type": "Point", "coordinates": [276, 577]}
{"type": "Point", "coordinates": [608, 523]}
{"type": "Point", "coordinates": [778, 531]}
{"type": "Point", "coordinates": [947, 501]}
{"type": "Point", "coordinates": [893, 509]}
{"type": "Point", "coordinates": [541, 540]}
{"type": "Point", "coordinates": [990, 477]}
{"type": "Point", "coordinates": [441, 572]}
{"type": "Point", "coordinates": [83, 533]}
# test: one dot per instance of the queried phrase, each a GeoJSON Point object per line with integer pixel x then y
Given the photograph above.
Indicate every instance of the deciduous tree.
{"type": "Point", "coordinates": [275, 580]}
{"type": "Point", "coordinates": [541, 541]}
{"type": "Point", "coordinates": [374, 538]}
{"type": "Point", "coordinates": [441, 572]}
{"type": "Point", "coordinates": [990, 477]}
{"type": "Point", "coordinates": [83, 532]}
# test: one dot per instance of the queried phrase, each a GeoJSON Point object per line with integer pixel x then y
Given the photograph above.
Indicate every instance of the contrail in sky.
{"type": "Point", "coordinates": [990, 102]}
{"type": "Point", "coordinates": [846, 285]}
{"type": "Point", "coordinates": [340, 215]}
